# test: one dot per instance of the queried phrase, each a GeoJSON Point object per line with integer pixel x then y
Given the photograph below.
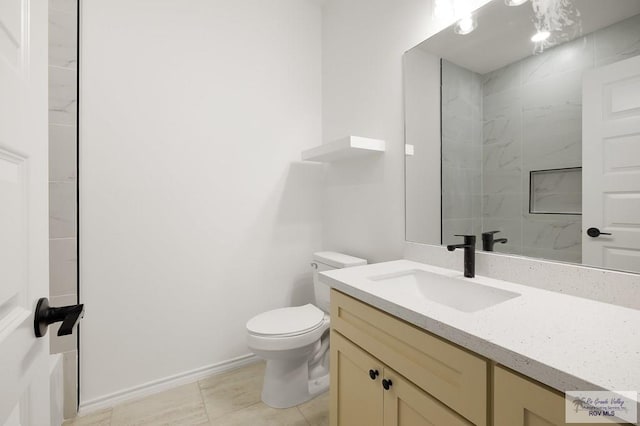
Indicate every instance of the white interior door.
{"type": "Point", "coordinates": [24, 253]}
{"type": "Point", "coordinates": [611, 165]}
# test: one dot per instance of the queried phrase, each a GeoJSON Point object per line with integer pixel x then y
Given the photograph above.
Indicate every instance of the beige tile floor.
{"type": "Point", "coordinates": [230, 399]}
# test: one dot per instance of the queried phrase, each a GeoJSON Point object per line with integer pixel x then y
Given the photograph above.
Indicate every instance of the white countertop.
{"type": "Point", "coordinates": [566, 342]}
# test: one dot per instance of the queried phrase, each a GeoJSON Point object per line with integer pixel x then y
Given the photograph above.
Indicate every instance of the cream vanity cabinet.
{"type": "Point", "coordinates": [372, 394]}
{"type": "Point", "coordinates": [373, 354]}
{"type": "Point", "coordinates": [448, 385]}
{"type": "Point", "coordinates": [520, 401]}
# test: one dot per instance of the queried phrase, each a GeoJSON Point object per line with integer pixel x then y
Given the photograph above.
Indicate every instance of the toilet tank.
{"type": "Point", "coordinates": [326, 261]}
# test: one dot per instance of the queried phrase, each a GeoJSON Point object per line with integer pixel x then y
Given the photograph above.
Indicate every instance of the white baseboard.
{"type": "Point", "coordinates": [163, 384]}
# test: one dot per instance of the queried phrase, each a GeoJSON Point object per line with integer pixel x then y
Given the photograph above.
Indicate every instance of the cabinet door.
{"type": "Point", "coordinates": [452, 375]}
{"type": "Point", "coordinates": [407, 405]}
{"type": "Point", "coordinates": [356, 398]}
{"type": "Point", "coordinates": [521, 402]}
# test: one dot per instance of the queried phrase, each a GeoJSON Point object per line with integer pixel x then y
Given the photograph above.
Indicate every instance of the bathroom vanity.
{"type": "Point", "coordinates": [405, 352]}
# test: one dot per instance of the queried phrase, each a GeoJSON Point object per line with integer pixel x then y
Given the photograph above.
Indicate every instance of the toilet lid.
{"type": "Point", "coordinates": [286, 321]}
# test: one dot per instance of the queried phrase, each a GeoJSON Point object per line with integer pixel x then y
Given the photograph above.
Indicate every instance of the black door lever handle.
{"type": "Point", "coordinates": [46, 315]}
{"type": "Point", "coordinates": [595, 232]}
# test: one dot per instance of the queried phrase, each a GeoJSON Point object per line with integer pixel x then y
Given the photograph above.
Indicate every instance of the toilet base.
{"type": "Point", "coordinates": [294, 380]}
{"type": "Point", "coordinates": [292, 388]}
{"type": "Point", "coordinates": [318, 386]}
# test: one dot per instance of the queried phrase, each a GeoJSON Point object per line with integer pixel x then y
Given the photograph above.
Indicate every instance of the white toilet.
{"type": "Point", "coordinates": [295, 341]}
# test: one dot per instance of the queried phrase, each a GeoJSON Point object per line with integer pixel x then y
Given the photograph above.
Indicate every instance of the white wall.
{"type": "Point", "coordinates": [195, 213]}
{"type": "Point", "coordinates": [362, 46]}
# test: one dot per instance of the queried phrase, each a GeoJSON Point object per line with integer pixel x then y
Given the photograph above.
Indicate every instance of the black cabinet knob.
{"type": "Point", "coordinates": [373, 374]}
{"type": "Point", "coordinates": [386, 384]}
{"type": "Point", "coordinates": [595, 232]}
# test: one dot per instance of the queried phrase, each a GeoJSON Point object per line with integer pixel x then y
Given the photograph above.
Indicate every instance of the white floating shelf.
{"type": "Point", "coordinates": [349, 147]}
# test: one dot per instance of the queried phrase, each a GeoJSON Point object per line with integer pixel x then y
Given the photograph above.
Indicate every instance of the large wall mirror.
{"type": "Point", "coordinates": [536, 105]}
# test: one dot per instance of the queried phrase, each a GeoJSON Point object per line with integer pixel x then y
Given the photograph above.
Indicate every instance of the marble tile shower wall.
{"type": "Point", "coordinates": [461, 152]}
{"type": "Point", "coordinates": [532, 112]}
{"type": "Point", "coordinates": [63, 95]}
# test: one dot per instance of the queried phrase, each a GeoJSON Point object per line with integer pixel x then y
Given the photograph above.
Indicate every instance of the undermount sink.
{"type": "Point", "coordinates": [457, 293]}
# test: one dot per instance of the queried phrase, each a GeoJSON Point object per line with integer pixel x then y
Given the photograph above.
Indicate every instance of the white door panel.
{"type": "Point", "coordinates": [12, 259]}
{"type": "Point", "coordinates": [621, 258]}
{"type": "Point", "coordinates": [24, 263]}
{"type": "Point", "coordinates": [11, 13]}
{"type": "Point", "coordinates": [623, 96]}
{"type": "Point", "coordinates": [611, 165]}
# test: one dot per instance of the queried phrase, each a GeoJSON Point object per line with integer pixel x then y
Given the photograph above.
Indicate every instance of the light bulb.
{"type": "Point", "coordinates": [540, 36]}
{"type": "Point", "coordinates": [514, 2]}
{"type": "Point", "coordinates": [465, 25]}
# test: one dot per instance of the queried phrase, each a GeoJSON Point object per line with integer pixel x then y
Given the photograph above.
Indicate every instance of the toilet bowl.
{"type": "Point", "coordinates": [295, 341]}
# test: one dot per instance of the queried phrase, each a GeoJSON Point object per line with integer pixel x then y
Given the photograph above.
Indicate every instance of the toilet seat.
{"type": "Point", "coordinates": [287, 328]}
{"type": "Point", "coordinates": [286, 322]}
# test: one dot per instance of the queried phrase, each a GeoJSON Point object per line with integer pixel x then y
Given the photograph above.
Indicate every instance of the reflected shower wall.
{"type": "Point", "coordinates": [496, 129]}
{"type": "Point", "coordinates": [523, 120]}
{"type": "Point", "coordinates": [461, 152]}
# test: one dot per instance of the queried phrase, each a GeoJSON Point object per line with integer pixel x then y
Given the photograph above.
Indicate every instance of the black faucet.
{"type": "Point", "coordinates": [488, 241]}
{"type": "Point", "coordinates": [469, 247]}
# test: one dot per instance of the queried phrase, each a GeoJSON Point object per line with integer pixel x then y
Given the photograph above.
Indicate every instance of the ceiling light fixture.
{"type": "Point", "coordinates": [514, 2]}
{"type": "Point", "coordinates": [465, 25]}
{"type": "Point", "coordinates": [540, 36]}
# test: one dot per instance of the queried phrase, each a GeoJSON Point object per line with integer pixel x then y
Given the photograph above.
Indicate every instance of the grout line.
{"type": "Point", "coordinates": [59, 67]}
{"type": "Point", "coordinates": [201, 389]}
{"type": "Point", "coordinates": [303, 416]}
{"type": "Point", "coordinates": [204, 404]}
{"type": "Point", "coordinates": [63, 295]}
